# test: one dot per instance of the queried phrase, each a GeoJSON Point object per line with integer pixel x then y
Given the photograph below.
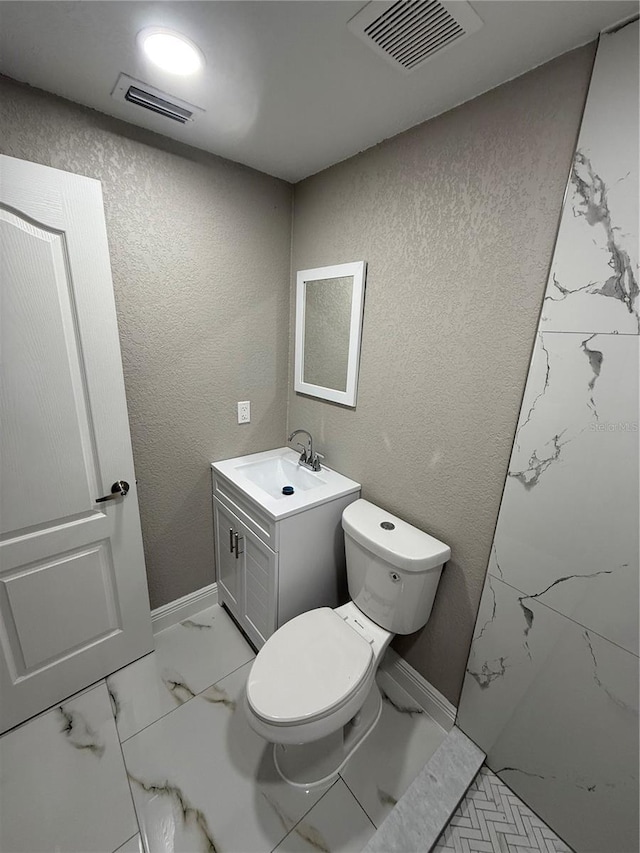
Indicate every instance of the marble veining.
{"type": "Point", "coordinates": [199, 626]}
{"type": "Point", "coordinates": [313, 837]}
{"type": "Point", "coordinates": [177, 687]}
{"type": "Point", "coordinates": [530, 678]}
{"type": "Point", "coordinates": [113, 699]}
{"type": "Point", "coordinates": [218, 696]}
{"type": "Point", "coordinates": [551, 691]}
{"type": "Point", "coordinates": [200, 778]}
{"type": "Point", "coordinates": [589, 201]}
{"type": "Point", "coordinates": [78, 731]}
{"type": "Point", "coordinates": [593, 283]}
{"type": "Point", "coordinates": [189, 658]}
{"type": "Point", "coordinates": [286, 821]}
{"type": "Point", "coordinates": [610, 693]}
{"type": "Point", "coordinates": [191, 816]}
{"type": "Point", "coordinates": [410, 709]}
{"type": "Point", "coordinates": [205, 745]}
{"type": "Point", "coordinates": [572, 470]}
{"type": "Point", "coordinates": [386, 799]}
{"type": "Point", "coordinates": [63, 783]}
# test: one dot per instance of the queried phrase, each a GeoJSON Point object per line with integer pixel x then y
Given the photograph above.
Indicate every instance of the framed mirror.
{"type": "Point", "coordinates": [329, 308]}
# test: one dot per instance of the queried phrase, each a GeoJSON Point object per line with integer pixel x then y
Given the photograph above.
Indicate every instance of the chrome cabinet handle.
{"type": "Point", "coordinates": [231, 540]}
{"type": "Point", "coordinates": [236, 538]}
{"type": "Point", "coordinates": [118, 490]}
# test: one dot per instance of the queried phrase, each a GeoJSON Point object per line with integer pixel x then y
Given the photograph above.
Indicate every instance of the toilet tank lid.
{"type": "Point", "coordinates": [394, 540]}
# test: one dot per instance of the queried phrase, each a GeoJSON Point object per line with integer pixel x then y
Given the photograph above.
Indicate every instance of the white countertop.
{"type": "Point", "coordinates": [328, 485]}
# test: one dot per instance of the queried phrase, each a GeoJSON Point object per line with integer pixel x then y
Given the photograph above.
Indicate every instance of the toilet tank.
{"type": "Point", "coordinates": [393, 569]}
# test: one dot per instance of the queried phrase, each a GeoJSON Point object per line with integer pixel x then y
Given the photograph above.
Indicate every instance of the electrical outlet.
{"type": "Point", "coordinates": [244, 412]}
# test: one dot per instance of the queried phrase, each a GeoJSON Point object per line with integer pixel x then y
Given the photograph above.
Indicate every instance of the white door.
{"type": "Point", "coordinates": [73, 594]}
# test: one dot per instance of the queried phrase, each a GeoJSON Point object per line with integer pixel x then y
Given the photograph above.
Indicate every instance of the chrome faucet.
{"type": "Point", "coordinates": [308, 459]}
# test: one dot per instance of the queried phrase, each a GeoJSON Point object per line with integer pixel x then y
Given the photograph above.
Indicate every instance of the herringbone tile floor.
{"type": "Point", "coordinates": [491, 819]}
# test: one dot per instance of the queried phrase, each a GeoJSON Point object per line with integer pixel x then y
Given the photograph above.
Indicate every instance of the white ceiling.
{"type": "Point", "coordinates": [287, 88]}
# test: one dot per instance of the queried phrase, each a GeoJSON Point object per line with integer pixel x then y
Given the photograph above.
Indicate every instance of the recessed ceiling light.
{"type": "Point", "coordinates": [170, 51]}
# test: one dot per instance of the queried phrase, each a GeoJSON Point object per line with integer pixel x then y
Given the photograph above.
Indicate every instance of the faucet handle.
{"type": "Point", "coordinates": [315, 461]}
{"type": "Point", "coordinates": [303, 455]}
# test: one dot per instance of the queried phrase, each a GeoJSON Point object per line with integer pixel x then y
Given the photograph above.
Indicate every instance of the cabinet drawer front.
{"type": "Point", "coordinates": [246, 510]}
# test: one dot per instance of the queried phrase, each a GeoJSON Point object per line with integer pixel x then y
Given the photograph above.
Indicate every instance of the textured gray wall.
{"type": "Point", "coordinates": [457, 219]}
{"type": "Point", "coordinates": [200, 253]}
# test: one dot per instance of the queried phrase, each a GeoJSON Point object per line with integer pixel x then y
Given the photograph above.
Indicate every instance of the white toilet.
{"type": "Point", "coordinates": [311, 690]}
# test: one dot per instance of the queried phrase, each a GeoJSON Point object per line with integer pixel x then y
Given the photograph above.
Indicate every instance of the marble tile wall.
{"type": "Point", "coordinates": [551, 690]}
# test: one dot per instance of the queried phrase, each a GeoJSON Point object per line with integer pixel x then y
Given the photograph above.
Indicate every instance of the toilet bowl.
{"type": "Point", "coordinates": [311, 690]}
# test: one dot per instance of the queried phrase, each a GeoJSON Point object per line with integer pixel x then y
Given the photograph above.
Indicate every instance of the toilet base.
{"type": "Point", "coordinates": [306, 765]}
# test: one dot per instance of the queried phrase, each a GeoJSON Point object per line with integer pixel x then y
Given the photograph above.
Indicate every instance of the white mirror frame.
{"type": "Point", "coordinates": [357, 269]}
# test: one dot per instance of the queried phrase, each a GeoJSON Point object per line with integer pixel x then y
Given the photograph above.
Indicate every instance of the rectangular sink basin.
{"type": "Point", "coordinates": [272, 474]}
{"type": "Point", "coordinates": [261, 476]}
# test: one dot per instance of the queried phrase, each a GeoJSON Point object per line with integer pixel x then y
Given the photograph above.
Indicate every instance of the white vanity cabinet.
{"type": "Point", "coordinates": [247, 572]}
{"type": "Point", "coordinates": [272, 566]}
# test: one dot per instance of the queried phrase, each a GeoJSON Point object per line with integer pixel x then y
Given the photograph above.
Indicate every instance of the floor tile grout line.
{"type": "Point", "coordinates": [525, 596]}
{"type": "Point", "coordinates": [217, 681]}
{"type": "Point", "coordinates": [339, 776]}
{"type": "Point", "coordinates": [129, 839]}
{"type": "Point", "coordinates": [64, 701]}
{"type": "Point", "coordinates": [358, 801]}
{"type": "Point", "coordinates": [310, 809]}
{"type": "Point", "coordinates": [157, 720]}
{"type": "Point", "coordinates": [181, 704]}
{"type": "Point", "coordinates": [133, 799]}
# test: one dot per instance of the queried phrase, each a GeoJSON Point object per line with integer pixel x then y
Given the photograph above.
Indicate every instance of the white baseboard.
{"type": "Point", "coordinates": [182, 608]}
{"type": "Point", "coordinates": [425, 694]}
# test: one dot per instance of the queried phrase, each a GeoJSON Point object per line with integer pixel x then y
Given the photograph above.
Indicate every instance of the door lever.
{"type": "Point", "coordinates": [118, 490]}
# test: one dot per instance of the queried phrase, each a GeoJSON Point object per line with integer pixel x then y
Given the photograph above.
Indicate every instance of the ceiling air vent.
{"type": "Point", "coordinates": [410, 32]}
{"type": "Point", "coordinates": [145, 96]}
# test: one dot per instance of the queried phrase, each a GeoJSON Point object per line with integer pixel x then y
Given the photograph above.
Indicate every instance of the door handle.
{"type": "Point", "coordinates": [231, 540]}
{"type": "Point", "coordinates": [118, 490]}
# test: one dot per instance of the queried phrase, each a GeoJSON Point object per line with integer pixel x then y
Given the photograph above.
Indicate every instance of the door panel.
{"type": "Point", "coordinates": [42, 382]}
{"type": "Point", "coordinates": [89, 572]}
{"type": "Point", "coordinates": [229, 567]}
{"type": "Point", "coordinates": [73, 596]}
{"type": "Point", "coordinates": [259, 569]}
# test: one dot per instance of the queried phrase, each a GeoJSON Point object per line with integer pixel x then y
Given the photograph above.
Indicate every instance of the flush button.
{"type": "Point", "coordinates": [387, 525]}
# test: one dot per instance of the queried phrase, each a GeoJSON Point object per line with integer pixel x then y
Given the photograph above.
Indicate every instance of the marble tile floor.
{"type": "Point", "coordinates": [158, 758]}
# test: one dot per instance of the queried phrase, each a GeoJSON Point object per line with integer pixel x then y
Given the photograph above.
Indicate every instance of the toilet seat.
{"type": "Point", "coordinates": [311, 667]}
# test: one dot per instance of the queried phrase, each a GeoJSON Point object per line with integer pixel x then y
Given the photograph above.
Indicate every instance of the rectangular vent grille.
{"type": "Point", "coordinates": [409, 32]}
{"type": "Point", "coordinates": [157, 105]}
{"type": "Point", "coordinates": [140, 94]}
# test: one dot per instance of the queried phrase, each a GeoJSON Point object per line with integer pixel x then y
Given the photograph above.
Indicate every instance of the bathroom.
{"type": "Point", "coordinates": [459, 186]}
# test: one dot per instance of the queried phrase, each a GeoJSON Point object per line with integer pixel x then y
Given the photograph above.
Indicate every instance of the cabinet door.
{"type": "Point", "coordinates": [230, 566]}
{"type": "Point", "coordinates": [260, 570]}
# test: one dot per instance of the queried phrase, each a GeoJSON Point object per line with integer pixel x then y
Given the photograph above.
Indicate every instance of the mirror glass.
{"type": "Point", "coordinates": [327, 319]}
{"type": "Point", "coordinates": [329, 306]}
